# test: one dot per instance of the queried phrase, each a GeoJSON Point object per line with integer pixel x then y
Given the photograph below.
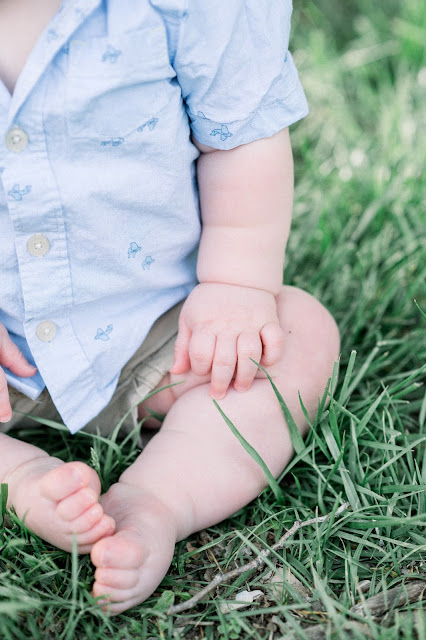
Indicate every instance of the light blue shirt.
{"type": "Point", "coordinates": [99, 217]}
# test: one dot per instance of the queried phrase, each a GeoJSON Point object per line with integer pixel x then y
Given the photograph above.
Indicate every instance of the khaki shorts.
{"type": "Point", "coordinates": [142, 373]}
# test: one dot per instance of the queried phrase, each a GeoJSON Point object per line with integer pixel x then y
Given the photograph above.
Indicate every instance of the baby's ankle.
{"type": "Point", "coordinates": [146, 503]}
{"type": "Point", "coordinates": [15, 453]}
{"type": "Point", "coordinates": [14, 476]}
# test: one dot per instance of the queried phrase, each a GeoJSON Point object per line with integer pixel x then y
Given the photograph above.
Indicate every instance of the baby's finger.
{"type": "Point", "coordinates": [224, 362]}
{"type": "Point", "coordinates": [249, 346]}
{"type": "Point", "coordinates": [181, 362]}
{"type": "Point", "coordinates": [272, 337]}
{"type": "Point", "coordinates": [12, 358]}
{"type": "Point", "coordinates": [201, 350]}
{"type": "Point", "coordinates": [5, 408]}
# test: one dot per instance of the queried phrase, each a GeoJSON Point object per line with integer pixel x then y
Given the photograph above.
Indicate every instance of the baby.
{"type": "Point", "coordinates": [145, 205]}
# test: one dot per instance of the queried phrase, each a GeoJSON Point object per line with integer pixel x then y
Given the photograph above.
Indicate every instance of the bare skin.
{"type": "Point", "coordinates": [194, 473]}
{"type": "Point", "coordinates": [57, 500]}
{"type": "Point", "coordinates": [21, 23]}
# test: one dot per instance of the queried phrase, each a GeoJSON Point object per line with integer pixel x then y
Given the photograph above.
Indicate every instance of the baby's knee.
{"type": "Point", "coordinates": [303, 317]}
{"type": "Point", "coordinates": [311, 346]}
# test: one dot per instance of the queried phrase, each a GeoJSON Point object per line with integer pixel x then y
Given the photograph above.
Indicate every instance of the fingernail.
{"type": "Point", "coordinates": [5, 418]}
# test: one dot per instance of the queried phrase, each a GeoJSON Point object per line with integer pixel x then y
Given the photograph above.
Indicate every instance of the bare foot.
{"type": "Point", "coordinates": [57, 500]}
{"type": "Point", "coordinates": [132, 563]}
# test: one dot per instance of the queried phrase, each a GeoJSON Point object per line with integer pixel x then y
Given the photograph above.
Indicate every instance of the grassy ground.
{"type": "Point", "coordinates": [359, 244]}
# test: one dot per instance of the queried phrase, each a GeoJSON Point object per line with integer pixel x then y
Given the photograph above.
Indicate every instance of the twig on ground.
{"type": "Point", "coordinates": [403, 594]}
{"type": "Point", "coordinates": [351, 629]}
{"type": "Point", "coordinates": [253, 564]}
{"type": "Point", "coordinates": [375, 607]}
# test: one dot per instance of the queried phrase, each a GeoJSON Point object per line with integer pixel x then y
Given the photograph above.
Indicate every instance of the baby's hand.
{"type": "Point", "coordinates": [222, 326]}
{"type": "Point", "coordinates": [13, 359]}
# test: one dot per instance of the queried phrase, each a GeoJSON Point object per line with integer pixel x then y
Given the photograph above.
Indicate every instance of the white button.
{"type": "Point", "coordinates": [16, 140]}
{"type": "Point", "coordinates": [46, 331]}
{"type": "Point", "coordinates": [38, 245]}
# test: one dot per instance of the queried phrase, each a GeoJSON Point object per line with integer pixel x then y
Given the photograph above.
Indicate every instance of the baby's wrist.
{"type": "Point", "coordinates": [252, 287]}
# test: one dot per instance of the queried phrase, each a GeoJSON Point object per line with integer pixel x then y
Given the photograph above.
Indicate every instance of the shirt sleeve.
{"type": "Point", "coordinates": [238, 79]}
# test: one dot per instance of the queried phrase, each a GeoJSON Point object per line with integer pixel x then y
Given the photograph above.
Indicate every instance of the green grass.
{"type": "Point", "coordinates": [359, 245]}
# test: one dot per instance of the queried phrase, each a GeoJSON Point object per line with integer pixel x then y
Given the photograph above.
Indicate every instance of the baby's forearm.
{"type": "Point", "coordinates": [246, 197]}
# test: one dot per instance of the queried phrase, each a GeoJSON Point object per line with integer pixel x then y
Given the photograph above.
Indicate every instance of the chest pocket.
{"type": "Point", "coordinates": [117, 86]}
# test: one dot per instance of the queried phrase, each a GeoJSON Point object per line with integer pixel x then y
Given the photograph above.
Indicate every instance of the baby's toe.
{"type": "Point", "coordinates": [117, 578]}
{"type": "Point", "coordinates": [120, 551]}
{"type": "Point", "coordinates": [63, 481]}
{"type": "Point", "coordinates": [75, 505]}
{"type": "Point", "coordinates": [104, 528]}
{"type": "Point", "coordinates": [115, 600]}
{"type": "Point", "coordinates": [86, 520]}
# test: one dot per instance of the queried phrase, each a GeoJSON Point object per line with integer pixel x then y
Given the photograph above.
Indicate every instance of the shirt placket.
{"type": "Point", "coordinates": [36, 213]}
{"type": "Point", "coordinates": [35, 210]}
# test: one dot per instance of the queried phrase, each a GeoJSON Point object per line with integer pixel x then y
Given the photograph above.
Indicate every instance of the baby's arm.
{"type": "Point", "coordinates": [13, 359]}
{"type": "Point", "coordinates": [246, 201]}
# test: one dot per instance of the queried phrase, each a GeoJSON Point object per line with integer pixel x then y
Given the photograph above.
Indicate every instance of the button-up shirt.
{"type": "Point", "coordinates": [99, 215]}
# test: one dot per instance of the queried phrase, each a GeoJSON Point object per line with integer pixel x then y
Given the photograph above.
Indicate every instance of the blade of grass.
{"type": "Point", "coordinates": [69, 631]}
{"type": "Point", "coordinates": [295, 436]}
{"type": "Point", "coordinates": [344, 473]}
{"type": "Point", "coordinates": [3, 501]}
{"type": "Point", "coordinates": [366, 418]}
{"type": "Point", "coordinates": [113, 437]}
{"type": "Point", "coordinates": [361, 373]}
{"type": "Point", "coordinates": [275, 487]}
{"type": "Point", "coordinates": [349, 369]}
{"type": "Point", "coordinates": [420, 309]}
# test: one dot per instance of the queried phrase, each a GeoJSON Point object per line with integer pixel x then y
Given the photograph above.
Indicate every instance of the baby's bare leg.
{"type": "Point", "coordinates": [194, 472]}
{"type": "Point", "coordinates": [55, 499]}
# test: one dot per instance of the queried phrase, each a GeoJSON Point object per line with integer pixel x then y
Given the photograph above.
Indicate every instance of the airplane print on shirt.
{"type": "Point", "coordinates": [104, 335]}
{"type": "Point", "coordinates": [17, 194]}
{"type": "Point", "coordinates": [146, 265]}
{"type": "Point", "coordinates": [116, 141]}
{"type": "Point", "coordinates": [150, 124]}
{"type": "Point", "coordinates": [221, 131]}
{"type": "Point", "coordinates": [133, 249]}
{"type": "Point", "coordinates": [111, 54]}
